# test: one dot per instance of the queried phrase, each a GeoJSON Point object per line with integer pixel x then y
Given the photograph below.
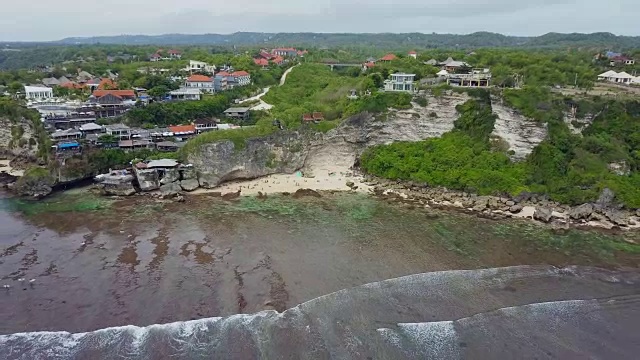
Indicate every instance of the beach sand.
{"type": "Point", "coordinates": [5, 167]}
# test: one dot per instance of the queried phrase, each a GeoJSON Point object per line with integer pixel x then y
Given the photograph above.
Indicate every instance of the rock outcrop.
{"type": "Point", "coordinates": [521, 134]}
{"type": "Point", "coordinates": [581, 212]}
{"type": "Point", "coordinates": [36, 182]}
{"type": "Point", "coordinates": [281, 152]}
{"type": "Point", "coordinates": [118, 185]}
{"type": "Point", "coordinates": [189, 185]}
{"type": "Point", "coordinates": [148, 179]}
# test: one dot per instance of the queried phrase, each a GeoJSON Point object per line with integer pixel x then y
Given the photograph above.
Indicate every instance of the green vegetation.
{"type": "Point", "coordinates": [237, 136]}
{"type": "Point", "coordinates": [570, 168]}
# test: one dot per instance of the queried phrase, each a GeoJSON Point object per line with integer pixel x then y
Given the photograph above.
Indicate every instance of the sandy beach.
{"type": "Point", "coordinates": [5, 167]}
{"type": "Point", "coordinates": [325, 180]}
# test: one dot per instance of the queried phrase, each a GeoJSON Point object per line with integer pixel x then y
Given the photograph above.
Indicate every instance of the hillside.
{"type": "Point", "coordinates": [388, 40]}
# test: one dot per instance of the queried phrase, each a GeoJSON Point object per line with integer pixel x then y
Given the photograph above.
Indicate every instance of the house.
{"type": "Point", "coordinates": [475, 78]}
{"type": "Point", "coordinates": [278, 60]}
{"type": "Point", "coordinates": [200, 66]}
{"type": "Point", "coordinates": [368, 65]}
{"type": "Point", "coordinates": [71, 85]}
{"type": "Point", "coordinates": [400, 82]}
{"type": "Point", "coordinates": [306, 118]}
{"type": "Point", "coordinates": [220, 81]}
{"type": "Point", "coordinates": [263, 63]}
{"type": "Point", "coordinates": [120, 131]}
{"type": "Point", "coordinates": [290, 52]}
{"type": "Point", "coordinates": [240, 78]}
{"type": "Point", "coordinates": [265, 55]}
{"type": "Point", "coordinates": [175, 54]}
{"type": "Point", "coordinates": [413, 54]}
{"type": "Point", "coordinates": [241, 113]}
{"type": "Point", "coordinates": [201, 82]}
{"type": "Point", "coordinates": [61, 135]}
{"type": "Point", "coordinates": [101, 84]}
{"type": "Point", "coordinates": [114, 97]}
{"type": "Point", "coordinates": [155, 57]}
{"type": "Point", "coordinates": [168, 146]}
{"type": "Point", "coordinates": [91, 128]}
{"type": "Point", "coordinates": [183, 130]}
{"type": "Point", "coordinates": [607, 76]}
{"type": "Point", "coordinates": [67, 147]}
{"type": "Point", "coordinates": [318, 116]}
{"type": "Point", "coordinates": [136, 144]}
{"type": "Point", "coordinates": [205, 124]}
{"type": "Point", "coordinates": [615, 77]}
{"type": "Point", "coordinates": [185, 94]}
{"type": "Point", "coordinates": [388, 57]}
{"type": "Point", "coordinates": [452, 65]}
{"type": "Point", "coordinates": [38, 92]}
{"type": "Point", "coordinates": [432, 62]}
{"type": "Point", "coordinates": [621, 60]}
{"type": "Point", "coordinates": [50, 81]}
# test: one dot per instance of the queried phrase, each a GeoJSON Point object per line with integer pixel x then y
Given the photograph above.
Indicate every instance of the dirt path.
{"type": "Point", "coordinates": [263, 105]}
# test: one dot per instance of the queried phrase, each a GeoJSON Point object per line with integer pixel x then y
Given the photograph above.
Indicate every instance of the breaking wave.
{"type": "Point", "coordinates": [516, 312]}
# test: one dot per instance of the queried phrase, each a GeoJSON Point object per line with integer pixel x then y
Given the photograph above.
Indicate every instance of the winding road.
{"type": "Point", "coordinates": [263, 105]}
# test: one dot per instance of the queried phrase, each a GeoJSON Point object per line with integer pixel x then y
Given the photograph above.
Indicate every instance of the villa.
{"type": "Point", "coordinates": [400, 82]}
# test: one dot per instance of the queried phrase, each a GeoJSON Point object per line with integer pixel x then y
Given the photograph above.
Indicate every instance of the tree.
{"type": "Point", "coordinates": [15, 87]}
{"type": "Point", "coordinates": [158, 91]}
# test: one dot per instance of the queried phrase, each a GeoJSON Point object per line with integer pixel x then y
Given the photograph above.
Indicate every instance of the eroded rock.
{"type": "Point", "coordinates": [543, 214]}
{"type": "Point", "coordinates": [189, 185]}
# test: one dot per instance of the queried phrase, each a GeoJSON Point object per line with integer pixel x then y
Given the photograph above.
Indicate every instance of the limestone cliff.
{"type": "Point", "coordinates": [521, 134]}
{"type": "Point", "coordinates": [282, 152]}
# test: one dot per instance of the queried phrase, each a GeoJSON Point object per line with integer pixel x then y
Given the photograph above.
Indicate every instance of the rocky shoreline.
{"type": "Point", "coordinates": [604, 213]}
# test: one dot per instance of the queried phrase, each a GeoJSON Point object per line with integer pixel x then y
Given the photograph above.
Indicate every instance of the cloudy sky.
{"type": "Point", "coordinates": [55, 19]}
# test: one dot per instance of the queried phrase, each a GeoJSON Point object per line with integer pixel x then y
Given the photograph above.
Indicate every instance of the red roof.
{"type": "Point", "coordinates": [370, 64]}
{"type": "Point", "coordinates": [71, 85]}
{"type": "Point", "coordinates": [318, 116]}
{"type": "Point", "coordinates": [307, 117]}
{"type": "Point", "coordinates": [266, 55]}
{"type": "Point", "coordinates": [199, 78]}
{"type": "Point", "coordinates": [106, 82]}
{"type": "Point", "coordinates": [412, 52]}
{"type": "Point", "coordinates": [388, 57]}
{"type": "Point", "coordinates": [278, 59]}
{"type": "Point", "coordinates": [223, 73]}
{"type": "Point", "coordinates": [118, 93]}
{"type": "Point", "coordinates": [182, 128]}
{"type": "Point", "coordinates": [261, 62]}
{"type": "Point", "coordinates": [155, 56]}
{"type": "Point", "coordinates": [284, 49]}
{"type": "Point", "coordinates": [174, 52]}
{"type": "Point", "coordinates": [240, 73]}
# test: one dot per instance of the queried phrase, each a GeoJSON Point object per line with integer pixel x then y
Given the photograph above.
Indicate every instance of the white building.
{"type": "Point", "coordinates": [201, 82]}
{"type": "Point", "coordinates": [200, 66]}
{"type": "Point", "coordinates": [241, 78]}
{"type": "Point", "coordinates": [413, 54]}
{"type": "Point", "coordinates": [38, 93]}
{"type": "Point", "coordinates": [186, 94]}
{"type": "Point", "coordinates": [400, 82]}
{"type": "Point", "coordinates": [615, 77]}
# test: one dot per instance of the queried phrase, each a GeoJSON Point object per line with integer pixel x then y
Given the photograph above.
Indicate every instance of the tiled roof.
{"type": "Point", "coordinates": [118, 93]}
{"type": "Point", "coordinates": [240, 73]}
{"type": "Point", "coordinates": [278, 59]}
{"type": "Point", "coordinates": [389, 57]}
{"type": "Point", "coordinates": [223, 73]}
{"type": "Point", "coordinates": [198, 78]}
{"type": "Point", "coordinates": [412, 52]}
{"type": "Point", "coordinates": [174, 52]}
{"type": "Point", "coordinates": [106, 82]}
{"type": "Point", "coordinates": [182, 128]}
{"type": "Point", "coordinates": [261, 62]}
{"type": "Point", "coordinates": [369, 64]}
{"type": "Point", "coordinates": [307, 117]}
{"type": "Point", "coordinates": [318, 116]}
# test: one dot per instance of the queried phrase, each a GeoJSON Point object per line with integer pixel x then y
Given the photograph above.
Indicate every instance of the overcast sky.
{"type": "Point", "coordinates": [37, 20]}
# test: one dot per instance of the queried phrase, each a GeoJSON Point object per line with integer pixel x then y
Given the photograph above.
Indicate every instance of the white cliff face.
{"type": "Point", "coordinates": [522, 134]}
{"type": "Point", "coordinates": [577, 125]}
{"type": "Point", "coordinates": [419, 123]}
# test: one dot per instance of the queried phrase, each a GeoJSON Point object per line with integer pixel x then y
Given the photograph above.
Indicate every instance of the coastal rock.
{"type": "Point", "coordinates": [221, 161]}
{"type": "Point", "coordinates": [617, 217]}
{"type": "Point", "coordinates": [581, 212]}
{"type": "Point", "coordinates": [170, 176]}
{"type": "Point", "coordinates": [189, 185]}
{"type": "Point", "coordinates": [515, 208]}
{"type": "Point", "coordinates": [36, 182]}
{"type": "Point", "coordinates": [6, 179]}
{"type": "Point", "coordinates": [148, 179]}
{"type": "Point", "coordinates": [510, 203]}
{"type": "Point", "coordinates": [306, 192]}
{"type": "Point", "coordinates": [638, 212]}
{"type": "Point", "coordinates": [606, 198]}
{"type": "Point", "coordinates": [169, 190]}
{"type": "Point", "coordinates": [543, 214]}
{"type": "Point", "coordinates": [188, 173]}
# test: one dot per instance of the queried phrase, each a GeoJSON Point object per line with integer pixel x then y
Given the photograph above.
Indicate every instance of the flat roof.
{"type": "Point", "coordinates": [238, 109]}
